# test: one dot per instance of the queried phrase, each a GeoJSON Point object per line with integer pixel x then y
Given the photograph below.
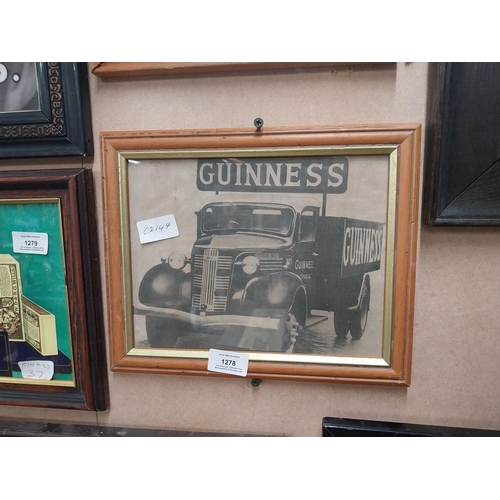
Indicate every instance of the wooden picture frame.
{"type": "Point", "coordinates": [261, 275]}
{"type": "Point", "coordinates": [140, 69]}
{"type": "Point", "coordinates": [462, 158]}
{"type": "Point", "coordinates": [44, 110]}
{"type": "Point", "coordinates": [50, 294]}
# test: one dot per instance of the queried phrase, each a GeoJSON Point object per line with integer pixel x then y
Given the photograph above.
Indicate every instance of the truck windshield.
{"type": "Point", "coordinates": [233, 217]}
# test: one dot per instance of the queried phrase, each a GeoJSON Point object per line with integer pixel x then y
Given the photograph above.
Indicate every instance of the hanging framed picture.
{"type": "Point", "coordinates": [283, 253]}
{"type": "Point", "coordinates": [141, 69]}
{"type": "Point", "coordinates": [52, 350]}
{"type": "Point", "coordinates": [462, 160]}
{"type": "Point", "coordinates": [44, 110]}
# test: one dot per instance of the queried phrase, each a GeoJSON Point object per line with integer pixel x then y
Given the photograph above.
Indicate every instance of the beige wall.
{"type": "Point", "coordinates": [456, 340]}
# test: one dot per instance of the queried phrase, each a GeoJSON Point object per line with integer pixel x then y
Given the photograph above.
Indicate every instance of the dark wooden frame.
{"type": "Point", "coordinates": [74, 189]}
{"type": "Point", "coordinates": [400, 140]}
{"type": "Point", "coordinates": [20, 428]}
{"type": "Point", "coordinates": [462, 158]}
{"type": "Point", "coordinates": [62, 127]}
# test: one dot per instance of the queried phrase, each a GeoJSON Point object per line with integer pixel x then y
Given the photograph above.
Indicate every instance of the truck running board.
{"type": "Point", "coordinates": [314, 319]}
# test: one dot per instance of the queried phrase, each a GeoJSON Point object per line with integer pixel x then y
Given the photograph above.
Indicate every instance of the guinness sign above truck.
{"type": "Point", "coordinates": [322, 174]}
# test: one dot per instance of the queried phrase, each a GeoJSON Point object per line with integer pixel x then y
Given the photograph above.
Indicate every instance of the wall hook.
{"type": "Point", "coordinates": [258, 122]}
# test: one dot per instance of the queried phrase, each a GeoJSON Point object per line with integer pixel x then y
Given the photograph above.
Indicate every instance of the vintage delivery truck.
{"type": "Point", "coordinates": [264, 267]}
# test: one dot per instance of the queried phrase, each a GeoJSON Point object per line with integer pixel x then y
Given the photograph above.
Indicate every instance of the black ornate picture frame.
{"type": "Point", "coordinates": [462, 158]}
{"type": "Point", "coordinates": [60, 124]}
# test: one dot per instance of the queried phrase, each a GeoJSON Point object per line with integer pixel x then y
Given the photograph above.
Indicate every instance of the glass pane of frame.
{"type": "Point", "coordinates": [33, 297]}
{"type": "Point", "coordinates": [19, 87]}
{"type": "Point", "coordinates": [239, 236]}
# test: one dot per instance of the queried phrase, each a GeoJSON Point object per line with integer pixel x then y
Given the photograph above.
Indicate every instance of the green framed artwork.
{"type": "Point", "coordinates": [51, 349]}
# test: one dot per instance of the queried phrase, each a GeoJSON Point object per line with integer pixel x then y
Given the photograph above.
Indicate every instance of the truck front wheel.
{"type": "Point", "coordinates": [162, 332]}
{"type": "Point", "coordinates": [285, 339]}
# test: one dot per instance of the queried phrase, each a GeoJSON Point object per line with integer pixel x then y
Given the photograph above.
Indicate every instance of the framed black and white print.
{"type": "Point", "coordinates": [289, 250]}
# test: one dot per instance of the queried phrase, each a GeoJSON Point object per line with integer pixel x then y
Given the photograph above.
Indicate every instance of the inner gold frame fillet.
{"type": "Point", "coordinates": [390, 151]}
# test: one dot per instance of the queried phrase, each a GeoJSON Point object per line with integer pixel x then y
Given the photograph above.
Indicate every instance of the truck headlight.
{"type": "Point", "coordinates": [177, 260]}
{"type": "Point", "coordinates": [250, 264]}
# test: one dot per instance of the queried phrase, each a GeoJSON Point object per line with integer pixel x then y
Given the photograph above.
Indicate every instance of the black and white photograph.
{"type": "Point", "coordinates": [263, 254]}
{"type": "Point", "coordinates": [18, 87]}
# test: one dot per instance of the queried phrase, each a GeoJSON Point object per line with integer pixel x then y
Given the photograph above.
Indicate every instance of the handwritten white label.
{"type": "Point", "coordinates": [37, 243]}
{"type": "Point", "coordinates": [234, 363]}
{"type": "Point", "coordinates": [159, 228]}
{"type": "Point", "coordinates": [43, 370]}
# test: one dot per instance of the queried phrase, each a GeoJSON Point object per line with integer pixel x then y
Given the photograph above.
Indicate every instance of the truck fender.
{"type": "Point", "coordinates": [163, 286]}
{"type": "Point", "coordinates": [365, 284]}
{"type": "Point", "coordinates": [345, 292]}
{"type": "Point", "coordinates": [273, 291]}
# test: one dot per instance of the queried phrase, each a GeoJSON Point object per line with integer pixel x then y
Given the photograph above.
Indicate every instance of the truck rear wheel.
{"type": "Point", "coordinates": [359, 316]}
{"type": "Point", "coordinates": [341, 323]}
{"type": "Point", "coordinates": [162, 332]}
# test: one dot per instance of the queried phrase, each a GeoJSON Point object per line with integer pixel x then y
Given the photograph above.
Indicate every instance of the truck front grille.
{"type": "Point", "coordinates": [211, 280]}
{"type": "Point", "coordinates": [271, 264]}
